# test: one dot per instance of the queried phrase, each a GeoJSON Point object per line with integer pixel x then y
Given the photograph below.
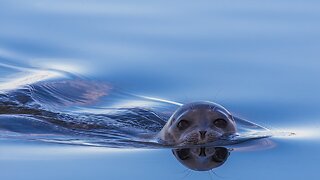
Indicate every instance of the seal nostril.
{"type": "Point", "coordinates": [202, 134]}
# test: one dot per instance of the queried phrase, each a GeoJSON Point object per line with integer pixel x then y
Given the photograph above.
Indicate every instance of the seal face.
{"type": "Point", "coordinates": [197, 123]}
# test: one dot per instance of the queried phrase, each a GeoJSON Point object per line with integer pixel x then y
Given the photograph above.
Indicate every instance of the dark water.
{"type": "Point", "coordinates": [81, 73]}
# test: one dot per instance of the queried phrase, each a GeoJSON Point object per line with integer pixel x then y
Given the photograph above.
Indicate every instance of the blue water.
{"type": "Point", "coordinates": [258, 59]}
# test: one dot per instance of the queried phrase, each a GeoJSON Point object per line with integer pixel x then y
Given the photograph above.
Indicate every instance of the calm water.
{"type": "Point", "coordinates": [258, 59]}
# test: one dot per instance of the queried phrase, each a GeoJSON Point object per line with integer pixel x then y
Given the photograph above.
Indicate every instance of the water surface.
{"type": "Point", "coordinates": [258, 59]}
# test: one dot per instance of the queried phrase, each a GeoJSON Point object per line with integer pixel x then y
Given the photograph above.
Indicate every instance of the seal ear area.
{"type": "Point", "coordinates": [172, 120]}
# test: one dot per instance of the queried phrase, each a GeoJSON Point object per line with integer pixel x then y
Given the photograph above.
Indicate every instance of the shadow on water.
{"type": "Point", "coordinates": [58, 107]}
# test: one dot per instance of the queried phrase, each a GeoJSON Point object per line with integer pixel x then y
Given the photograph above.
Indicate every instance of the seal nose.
{"type": "Point", "coordinates": [202, 134]}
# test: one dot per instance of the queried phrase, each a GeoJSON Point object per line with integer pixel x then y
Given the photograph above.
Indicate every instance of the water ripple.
{"type": "Point", "coordinates": [60, 107]}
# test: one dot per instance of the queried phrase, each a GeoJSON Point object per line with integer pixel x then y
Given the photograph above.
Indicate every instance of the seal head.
{"type": "Point", "coordinates": [197, 123]}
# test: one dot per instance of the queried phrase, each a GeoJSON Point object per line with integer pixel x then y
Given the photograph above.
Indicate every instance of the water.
{"type": "Point", "coordinates": [258, 59]}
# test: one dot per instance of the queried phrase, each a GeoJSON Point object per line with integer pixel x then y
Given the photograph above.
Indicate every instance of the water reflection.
{"type": "Point", "coordinates": [202, 158]}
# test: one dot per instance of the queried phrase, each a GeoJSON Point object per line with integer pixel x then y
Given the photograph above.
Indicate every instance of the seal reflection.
{"type": "Point", "coordinates": [202, 158]}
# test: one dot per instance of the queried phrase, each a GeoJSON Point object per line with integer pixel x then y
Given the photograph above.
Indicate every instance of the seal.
{"type": "Point", "coordinates": [197, 123]}
{"type": "Point", "coordinates": [202, 159]}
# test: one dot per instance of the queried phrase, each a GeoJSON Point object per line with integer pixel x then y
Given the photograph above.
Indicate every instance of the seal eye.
{"type": "Point", "coordinates": [220, 123]}
{"type": "Point", "coordinates": [220, 155]}
{"type": "Point", "coordinates": [183, 124]}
